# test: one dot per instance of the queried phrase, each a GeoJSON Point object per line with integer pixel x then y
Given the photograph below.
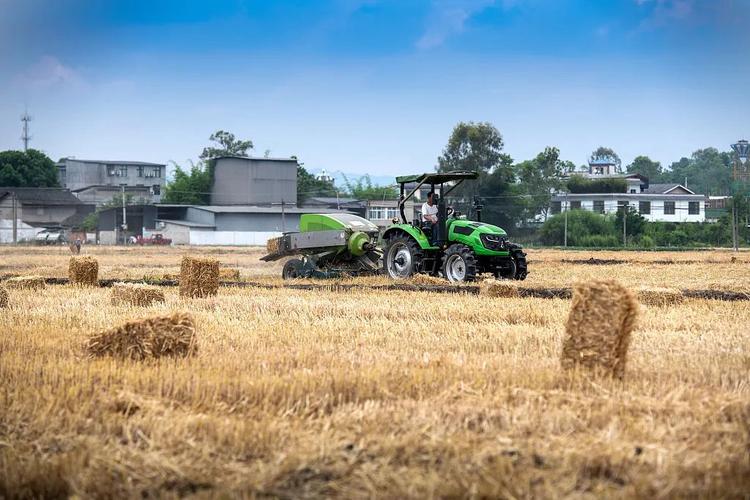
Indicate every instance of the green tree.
{"type": "Point", "coordinates": [707, 171]}
{"type": "Point", "coordinates": [605, 152]}
{"type": "Point", "coordinates": [191, 187]}
{"type": "Point", "coordinates": [364, 189]}
{"type": "Point", "coordinates": [309, 187]}
{"type": "Point", "coordinates": [539, 178]}
{"type": "Point", "coordinates": [635, 223]}
{"type": "Point", "coordinates": [646, 167]}
{"type": "Point", "coordinates": [30, 168]}
{"type": "Point", "coordinates": [228, 146]}
{"type": "Point", "coordinates": [472, 146]}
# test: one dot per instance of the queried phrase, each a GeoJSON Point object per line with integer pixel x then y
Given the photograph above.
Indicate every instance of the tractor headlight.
{"type": "Point", "coordinates": [493, 241]}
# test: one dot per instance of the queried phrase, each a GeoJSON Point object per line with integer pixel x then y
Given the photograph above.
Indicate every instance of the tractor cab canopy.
{"type": "Point", "coordinates": [436, 178]}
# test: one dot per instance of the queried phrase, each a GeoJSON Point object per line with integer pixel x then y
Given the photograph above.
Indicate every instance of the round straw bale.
{"type": "Point", "coordinates": [499, 288]}
{"type": "Point", "coordinates": [660, 296]}
{"type": "Point", "coordinates": [199, 277]}
{"type": "Point", "coordinates": [136, 294]}
{"type": "Point", "coordinates": [602, 316]}
{"type": "Point", "coordinates": [170, 335]}
{"type": "Point", "coordinates": [4, 298]}
{"type": "Point", "coordinates": [25, 283]}
{"type": "Point", "coordinates": [83, 271]}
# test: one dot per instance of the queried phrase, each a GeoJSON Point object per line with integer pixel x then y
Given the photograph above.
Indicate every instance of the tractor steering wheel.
{"type": "Point", "coordinates": [450, 212]}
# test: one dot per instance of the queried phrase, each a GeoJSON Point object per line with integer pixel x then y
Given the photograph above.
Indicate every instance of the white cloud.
{"type": "Point", "coordinates": [448, 18]}
{"type": "Point", "coordinates": [49, 73]}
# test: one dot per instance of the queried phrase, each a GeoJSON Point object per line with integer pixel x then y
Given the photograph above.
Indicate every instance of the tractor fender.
{"type": "Point", "coordinates": [412, 231]}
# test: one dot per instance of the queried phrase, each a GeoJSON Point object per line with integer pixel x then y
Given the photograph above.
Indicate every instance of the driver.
{"type": "Point", "coordinates": [430, 211]}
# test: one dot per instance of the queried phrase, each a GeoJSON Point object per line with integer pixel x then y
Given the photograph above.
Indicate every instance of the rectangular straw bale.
{"type": "Point", "coordinates": [25, 283]}
{"type": "Point", "coordinates": [199, 277]}
{"type": "Point", "coordinates": [83, 271]}
{"type": "Point", "coordinates": [499, 288]}
{"type": "Point", "coordinates": [4, 297]}
{"type": "Point", "coordinates": [273, 245]}
{"type": "Point", "coordinates": [170, 335]}
{"type": "Point", "coordinates": [229, 274]}
{"type": "Point", "coordinates": [657, 296]}
{"type": "Point", "coordinates": [603, 314]}
{"type": "Point", "coordinates": [135, 294]}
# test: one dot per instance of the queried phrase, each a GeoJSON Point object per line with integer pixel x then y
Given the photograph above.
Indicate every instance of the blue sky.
{"type": "Point", "coordinates": [370, 86]}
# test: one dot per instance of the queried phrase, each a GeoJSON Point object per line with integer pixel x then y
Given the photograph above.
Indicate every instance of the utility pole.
{"type": "Point", "coordinates": [124, 217]}
{"type": "Point", "coordinates": [283, 218]}
{"type": "Point", "coordinates": [625, 225]}
{"type": "Point", "coordinates": [15, 218]}
{"type": "Point", "coordinates": [565, 237]}
{"type": "Point", "coordinates": [740, 174]}
{"type": "Point", "coordinates": [25, 118]}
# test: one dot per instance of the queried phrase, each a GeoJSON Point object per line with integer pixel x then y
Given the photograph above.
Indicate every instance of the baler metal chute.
{"type": "Point", "coordinates": [330, 245]}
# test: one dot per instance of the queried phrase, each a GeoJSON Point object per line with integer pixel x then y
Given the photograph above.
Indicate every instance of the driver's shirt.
{"type": "Point", "coordinates": [428, 210]}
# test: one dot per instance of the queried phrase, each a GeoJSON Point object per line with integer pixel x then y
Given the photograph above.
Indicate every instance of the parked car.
{"type": "Point", "coordinates": [50, 236]}
{"type": "Point", "coordinates": [156, 239]}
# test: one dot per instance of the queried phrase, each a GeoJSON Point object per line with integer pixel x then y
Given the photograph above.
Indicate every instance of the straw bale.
{"type": "Point", "coordinates": [602, 316]}
{"type": "Point", "coordinates": [657, 296]}
{"type": "Point", "coordinates": [499, 288]}
{"type": "Point", "coordinates": [83, 271]}
{"type": "Point", "coordinates": [229, 274]}
{"type": "Point", "coordinates": [199, 277]}
{"type": "Point", "coordinates": [25, 283]}
{"type": "Point", "coordinates": [273, 245]}
{"type": "Point", "coordinates": [4, 298]}
{"type": "Point", "coordinates": [170, 335]}
{"type": "Point", "coordinates": [136, 294]}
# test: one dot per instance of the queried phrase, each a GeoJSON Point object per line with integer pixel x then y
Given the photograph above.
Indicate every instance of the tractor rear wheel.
{"type": "Point", "coordinates": [292, 269]}
{"type": "Point", "coordinates": [459, 264]}
{"type": "Point", "coordinates": [521, 270]}
{"type": "Point", "coordinates": [403, 257]}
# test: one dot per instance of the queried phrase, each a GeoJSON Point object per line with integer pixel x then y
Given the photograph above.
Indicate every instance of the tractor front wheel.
{"type": "Point", "coordinates": [403, 257]}
{"type": "Point", "coordinates": [459, 264]}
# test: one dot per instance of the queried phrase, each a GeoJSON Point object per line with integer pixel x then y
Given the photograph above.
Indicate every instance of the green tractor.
{"type": "Point", "coordinates": [456, 248]}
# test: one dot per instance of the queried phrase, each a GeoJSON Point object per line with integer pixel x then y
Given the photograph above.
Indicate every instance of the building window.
{"type": "Point", "coordinates": [694, 208]}
{"type": "Point", "coordinates": [154, 172]}
{"type": "Point", "coordinates": [644, 207]}
{"type": "Point", "coordinates": [575, 205]}
{"type": "Point", "coordinates": [382, 213]}
{"type": "Point", "coordinates": [632, 191]}
{"type": "Point", "coordinates": [156, 190]}
{"type": "Point", "coordinates": [140, 171]}
{"type": "Point", "coordinates": [668, 208]}
{"type": "Point", "coordinates": [117, 171]}
{"type": "Point", "coordinates": [556, 207]}
{"type": "Point", "coordinates": [599, 206]}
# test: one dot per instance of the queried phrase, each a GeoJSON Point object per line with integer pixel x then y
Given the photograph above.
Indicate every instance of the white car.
{"type": "Point", "coordinates": [50, 236]}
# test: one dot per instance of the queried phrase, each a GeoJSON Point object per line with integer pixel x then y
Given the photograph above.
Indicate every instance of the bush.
{"type": "Point", "coordinates": [598, 240]}
{"type": "Point", "coordinates": [647, 241]}
{"type": "Point", "coordinates": [581, 224]}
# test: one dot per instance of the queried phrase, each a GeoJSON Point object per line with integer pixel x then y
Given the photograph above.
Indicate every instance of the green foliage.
{"type": "Point", "coordinates": [472, 146]}
{"type": "Point", "coordinates": [707, 171]}
{"type": "Point", "coordinates": [364, 189]}
{"type": "Point", "coordinates": [580, 184]}
{"type": "Point", "coordinates": [539, 178]}
{"type": "Point", "coordinates": [228, 146]}
{"type": "Point", "coordinates": [31, 168]}
{"type": "Point", "coordinates": [90, 222]}
{"type": "Point", "coordinates": [192, 187]}
{"type": "Point", "coordinates": [309, 187]}
{"type": "Point", "coordinates": [646, 167]}
{"type": "Point", "coordinates": [584, 229]}
{"type": "Point", "coordinates": [635, 223]}
{"type": "Point", "coordinates": [605, 152]}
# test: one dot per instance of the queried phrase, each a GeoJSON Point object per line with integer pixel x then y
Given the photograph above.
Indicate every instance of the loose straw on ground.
{"type": "Point", "coordinates": [25, 283]}
{"type": "Point", "coordinates": [199, 277]}
{"type": "Point", "coordinates": [136, 294]}
{"type": "Point", "coordinates": [4, 298]}
{"type": "Point", "coordinates": [660, 296]}
{"type": "Point", "coordinates": [83, 271]}
{"type": "Point", "coordinates": [499, 288]}
{"type": "Point", "coordinates": [602, 316]}
{"type": "Point", "coordinates": [229, 274]}
{"type": "Point", "coordinates": [171, 335]}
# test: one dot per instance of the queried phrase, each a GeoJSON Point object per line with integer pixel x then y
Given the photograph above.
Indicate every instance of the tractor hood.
{"type": "Point", "coordinates": [468, 228]}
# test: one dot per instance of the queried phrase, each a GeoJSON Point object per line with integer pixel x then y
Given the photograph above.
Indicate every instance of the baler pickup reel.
{"type": "Point", "coordinates": [329, 246]}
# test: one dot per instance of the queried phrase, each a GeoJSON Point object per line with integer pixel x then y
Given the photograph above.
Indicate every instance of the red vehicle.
{"type": "Point", "coordinates": [156, 239]}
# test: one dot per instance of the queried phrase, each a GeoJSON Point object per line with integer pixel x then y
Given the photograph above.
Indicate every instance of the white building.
{"type": "Point", "coordinates": [655, 202]}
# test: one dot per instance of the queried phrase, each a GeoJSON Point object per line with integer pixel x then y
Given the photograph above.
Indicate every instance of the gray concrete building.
{"type": "Point", "coordinates": [240, 180]}
{"type": "Point", "coordinates": [98, 181]}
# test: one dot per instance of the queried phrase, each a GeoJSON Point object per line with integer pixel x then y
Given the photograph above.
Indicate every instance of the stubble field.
{"type": "Point", "coordinates": [371, 393]}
